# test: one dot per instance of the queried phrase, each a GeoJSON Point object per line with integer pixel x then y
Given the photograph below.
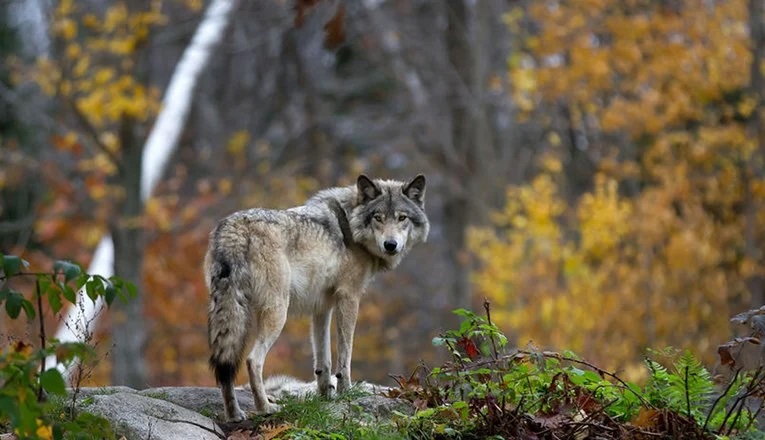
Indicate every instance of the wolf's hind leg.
{"type": "Point", "coordinates": [270, 322]}
{"type": "Point", "coordinates": [230, 405]}
{"type": "Point", "coordinates": [322, 364]}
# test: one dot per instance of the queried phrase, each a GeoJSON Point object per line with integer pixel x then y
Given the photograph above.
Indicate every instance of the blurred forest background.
{"type": "Point", "coordinates": [595, 167]}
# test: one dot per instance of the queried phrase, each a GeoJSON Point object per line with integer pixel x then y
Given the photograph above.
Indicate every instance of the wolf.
{"type": "Point", "coordinates": [315, 259]}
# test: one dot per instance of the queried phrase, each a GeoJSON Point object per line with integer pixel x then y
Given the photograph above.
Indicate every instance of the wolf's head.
{"type": "Point", "coordinates": [389, 217]}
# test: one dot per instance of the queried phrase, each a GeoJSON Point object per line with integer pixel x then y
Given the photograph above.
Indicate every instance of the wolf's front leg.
{"type": "Point", "coordinates": [347, 311]}
{"type": "Point", "coordinates": [322, 365]}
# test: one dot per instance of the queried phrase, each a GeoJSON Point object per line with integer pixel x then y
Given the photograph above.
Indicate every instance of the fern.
{"type": "Point", "coordinates": [686, 389]}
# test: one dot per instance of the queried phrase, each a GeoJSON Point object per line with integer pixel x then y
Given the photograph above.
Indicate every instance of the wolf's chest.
{"type": "Point", "coordinates": [310, 283]}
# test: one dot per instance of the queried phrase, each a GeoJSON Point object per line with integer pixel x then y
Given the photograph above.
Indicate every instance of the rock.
{"type": "Point", "coordinates": [93, 391]}
{"type": "Point", "coordinates": [383, 407]}
{"type": "Point", "coordinates": [139, 417]}
{"type": "Point", "coordinates": [204, 400]}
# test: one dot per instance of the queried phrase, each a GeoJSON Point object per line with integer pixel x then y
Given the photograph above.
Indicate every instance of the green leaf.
{"type": "Point", "coordinates": [12, 265]}
{"type": "Point", "coordinates": [29, 308]}
{"type": "Point", "coordinates": [69, 293]}
{"type": "Point", "coordinates": [131, 289]}
{"type": "Point", "coordinates": [109, 293]}
{"type": "Point", "coordinates": [54, 299]}
{"type": "Point", "coordinates": [70, 270]}
{"type": "Point", "coordinates": [52, 382]}
{"type": "Point", "coordinates": [90, 289]}
{"type": "Point", "coordinates": [13, 304]}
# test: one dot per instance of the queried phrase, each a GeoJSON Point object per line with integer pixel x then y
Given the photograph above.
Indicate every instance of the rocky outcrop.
{"type": "Point", "coordinates": [139, 417]}
{"type": "Point", "coordinates": [196, 412]}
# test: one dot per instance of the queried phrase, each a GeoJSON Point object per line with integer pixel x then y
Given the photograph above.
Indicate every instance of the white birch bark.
{"type": "Point", "coordinates": [28, 19]}
{"type": "Point", "coordinates": [159, 147]}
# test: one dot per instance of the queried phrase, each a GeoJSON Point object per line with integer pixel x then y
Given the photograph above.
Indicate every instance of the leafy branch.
{"type": "Point", "coordinates": [26, 379]}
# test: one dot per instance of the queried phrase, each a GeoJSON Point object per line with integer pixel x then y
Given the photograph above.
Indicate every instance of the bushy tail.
{"type": "Point", "coordinates": [228, 315]}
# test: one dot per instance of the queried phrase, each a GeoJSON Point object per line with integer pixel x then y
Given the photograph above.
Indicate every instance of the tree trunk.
{"type": "Point", "coordinates": [128, 327]}
{"type": "Point", "coordinates": [755, 169]}
{"type": "Point", "coordinates": [458, 206]}
{"type": "Point", "coordinates": [147, 165]}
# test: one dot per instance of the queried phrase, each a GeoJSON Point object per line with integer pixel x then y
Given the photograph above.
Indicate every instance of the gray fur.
{"type": "Point", "coordinates": [314, 259]}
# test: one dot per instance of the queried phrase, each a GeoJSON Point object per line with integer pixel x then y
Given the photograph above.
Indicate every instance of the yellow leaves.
{"type": "Point", "coordinates": [224, 186]}
{"type": "Point", "coordinates": [237, 144]}
{"type": "Point", "coordinates": [523, 80]}
{"type": "Point", "coordinates": [158, 212]}
{"type": "Point", "coordinates": [91, 22]}
{"type": "Point", "coordinates": [44, 431]}
{"type": "Point", "coordinates": [746, 106]}
{"type": "Point", "coordinates": [603, 219]}
{"type": "Point", "coordinates": [73, 50]}
{"type": "Point", "coordinates": [194, 5]}
{"type": "Point", "coordinates": [66, 29]}
{"type": "Point", "coordinates": [97, 70]}
{"type": "Point", "coordinates": [107, 98]}
{"type": "Point", "coordinates": [47, 76]}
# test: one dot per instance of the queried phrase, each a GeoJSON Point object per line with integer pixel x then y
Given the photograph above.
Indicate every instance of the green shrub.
{"type": "Point", "coordinates": [30, 388]}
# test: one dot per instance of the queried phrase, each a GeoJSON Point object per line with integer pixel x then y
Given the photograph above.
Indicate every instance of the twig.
{"type": "Point", "coordinates": [725, 393]}
{"type": "Point", "coordinates": [93, 133]}
{"type": "Point", "coordinates": [213, 431]}
{"type": "Point", "coordinates": [20, 274]}
{"type": "Point", "coordinates": [42, 335]}
{"type": "Point", "coordinates": [753, 383]}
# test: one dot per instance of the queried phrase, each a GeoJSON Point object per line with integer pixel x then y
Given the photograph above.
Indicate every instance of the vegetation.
{"type": "Point", "coordinates": [33, 398]}
{"type": "Point", "coordinates": [489, 390]}
{"type": "Point", "coordinates": [609, 154]}
{"type": "Point", "coordinates": [646, 203]}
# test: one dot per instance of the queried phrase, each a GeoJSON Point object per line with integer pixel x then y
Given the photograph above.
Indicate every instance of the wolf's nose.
{"type": "Point", "coordinates": [390, 245]}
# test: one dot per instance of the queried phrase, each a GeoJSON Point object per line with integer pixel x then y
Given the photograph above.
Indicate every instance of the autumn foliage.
{"type": "Point", "coordinates": [659, 239]}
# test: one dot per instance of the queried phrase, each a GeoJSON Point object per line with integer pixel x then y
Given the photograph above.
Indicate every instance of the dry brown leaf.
{"type": "Point", "coordinates": [334, 29]}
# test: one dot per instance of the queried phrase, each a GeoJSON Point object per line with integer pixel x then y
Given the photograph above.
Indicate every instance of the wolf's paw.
{"type": "Point", "coordinates": [343, 384]}
{"type": "Point", "coordinates": [326, 390]}
{"type": "Point", "coordinates": [237, 417]}
{"type": "Point", "coordinates": [269, 408]}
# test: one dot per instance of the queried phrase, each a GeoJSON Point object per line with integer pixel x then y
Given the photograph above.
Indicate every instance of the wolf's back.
{"type": "Point", "coordinates": [227, 277]}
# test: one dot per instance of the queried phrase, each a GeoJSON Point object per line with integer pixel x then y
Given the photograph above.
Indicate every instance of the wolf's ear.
{"type": "Point", "coordinates": [415, 189]}
{"type": "Point", "coordinates": [368, 190]}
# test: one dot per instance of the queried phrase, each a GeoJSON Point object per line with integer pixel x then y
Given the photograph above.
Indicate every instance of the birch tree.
{"type": "Point", "coordinates": [119, 252]}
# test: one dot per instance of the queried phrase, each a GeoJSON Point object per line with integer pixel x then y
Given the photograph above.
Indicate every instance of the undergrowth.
{"type": "Point", "coordinates": [490, 390]}
{"type": "Point", "coordinates": [315, 417]}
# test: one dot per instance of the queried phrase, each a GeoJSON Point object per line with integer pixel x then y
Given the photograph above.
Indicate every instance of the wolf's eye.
{"type": "Point", "coordinates": [402, 217]}
{"type": "Point", "coordinates": [378, 218]}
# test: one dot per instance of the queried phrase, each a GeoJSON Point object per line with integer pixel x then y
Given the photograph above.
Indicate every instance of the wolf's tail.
{"type": "Point", "coordinates": [229, 312]}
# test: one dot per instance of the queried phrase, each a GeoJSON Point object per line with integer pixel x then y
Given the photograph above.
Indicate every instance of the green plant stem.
{"type": "Point", "coordinates": [487, 307]}
{"type": "Point", "coordinates": [687, 394]}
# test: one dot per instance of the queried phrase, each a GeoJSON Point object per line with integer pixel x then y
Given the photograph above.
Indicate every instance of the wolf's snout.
{"type": "Point", "coordinates": [390, 246]}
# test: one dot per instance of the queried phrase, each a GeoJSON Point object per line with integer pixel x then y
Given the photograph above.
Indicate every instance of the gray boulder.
{"type": "Point", "coordinates": [204, 400]}
{"type": "Point", "coordinates": [140, 417]}
{"type": "Point", "coordinates": [383, 407]}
